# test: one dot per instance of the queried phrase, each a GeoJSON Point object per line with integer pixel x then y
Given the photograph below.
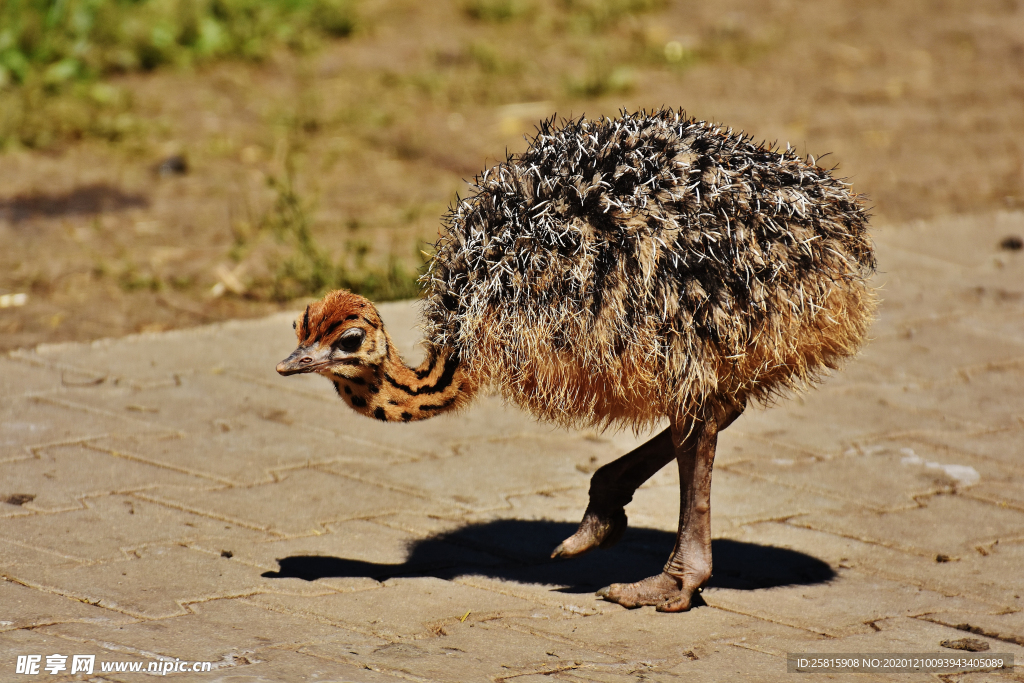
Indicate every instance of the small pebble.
{"type": "Point", "coordinates": [12, 300]}
{"type": "Point", "coordinates": [172, 165]}
{"type": "Point", "coordinates": [968, 644]}
{"type": "Point", "coordinates": [1012, 243]}
{"type": "Point", "coordinates": [19, 498]}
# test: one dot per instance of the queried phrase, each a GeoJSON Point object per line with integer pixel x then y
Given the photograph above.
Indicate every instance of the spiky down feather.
{"type": "Point", "coordinates": [622, 270]}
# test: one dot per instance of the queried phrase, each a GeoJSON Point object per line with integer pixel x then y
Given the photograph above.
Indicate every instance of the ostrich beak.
{"type": "Point", "coordinates": [302, 360]}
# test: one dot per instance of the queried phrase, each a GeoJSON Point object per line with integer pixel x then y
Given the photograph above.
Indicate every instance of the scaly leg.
{"type": "Point", "coordinates": [611, 489]}
{"type": "Point", "coordinates": [689, 567]}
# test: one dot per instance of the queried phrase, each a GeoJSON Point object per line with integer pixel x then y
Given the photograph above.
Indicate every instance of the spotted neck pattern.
{"type": "Point", "coordinates": [394, 392]}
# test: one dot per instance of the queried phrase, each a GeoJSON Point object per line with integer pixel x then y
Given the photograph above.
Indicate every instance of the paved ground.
{"type": "Point", "coordinates": [169, 496]}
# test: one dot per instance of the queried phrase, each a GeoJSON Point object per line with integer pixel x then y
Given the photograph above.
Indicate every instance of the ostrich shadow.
{"type": "Point", "coordinates": [518, 550]}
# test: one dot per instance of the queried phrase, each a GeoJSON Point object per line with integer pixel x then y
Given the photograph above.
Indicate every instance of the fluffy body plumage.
{"type": "Point", "coordinates": [624, 270]}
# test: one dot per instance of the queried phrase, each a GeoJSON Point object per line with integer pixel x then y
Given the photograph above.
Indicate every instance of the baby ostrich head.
{"type": "Point", "coordinates": [339, 336]}
{"type": "Point", "coordinates": [342, 338]}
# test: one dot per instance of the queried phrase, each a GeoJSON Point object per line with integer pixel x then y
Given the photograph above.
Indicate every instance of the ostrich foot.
{"type": "Point", "coordinates": [668, 593]}
{"type": "Point", "coordinates": [596, 530]}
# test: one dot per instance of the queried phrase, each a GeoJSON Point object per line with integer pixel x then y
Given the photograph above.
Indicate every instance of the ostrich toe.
{"type": "Point", "coordinates": [666, 592]}
{"type": "Point", "coordinates": [597, 530]}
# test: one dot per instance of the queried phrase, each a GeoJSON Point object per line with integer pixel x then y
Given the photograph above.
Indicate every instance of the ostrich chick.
{"type": "Point", "coordinates": [620, 272]}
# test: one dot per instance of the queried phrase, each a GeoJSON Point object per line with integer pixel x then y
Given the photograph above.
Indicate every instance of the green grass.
{"type": "Point", "coordinates": [53, 52]}
{"type": "Point", "coordinates": [65, 40]}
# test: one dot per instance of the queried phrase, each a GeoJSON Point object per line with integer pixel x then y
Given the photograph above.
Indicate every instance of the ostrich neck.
{"type": "Point", "coordinates": [394, 392]}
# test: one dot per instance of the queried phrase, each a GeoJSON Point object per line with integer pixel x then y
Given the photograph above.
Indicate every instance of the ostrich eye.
{"type": "Point", "coordinates": [351, 340]}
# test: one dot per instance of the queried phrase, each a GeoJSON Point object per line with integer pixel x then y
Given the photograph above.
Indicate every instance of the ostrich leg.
{"type": "Point", "coordinates": [612, 488]}
{"type": "Point", "coordinates": [689, 567]}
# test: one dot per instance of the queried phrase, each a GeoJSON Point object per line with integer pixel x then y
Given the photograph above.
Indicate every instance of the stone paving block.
{"type": "Point", "coordinates": [898, 635]}
{"type": "Point", "coordinates": [828, 421]}
{"type": "Point", "coordinates": [243, 450]}
{"type": "Point", "coordinates": [736, 499]}
{"type": "Point", "coordinates": [644, 635]}
{"type": "Point", "coordinates": [944, 524]}
{"type": "Point", "coordinates": [109, 527]}
{"type": "Point", "coordinates": [267, 666]}
{"type": "Point", "coordinates": [998, 482]}
{"type": "Point", "coordinates": [200, 401]}
{"type": "Point", "coordinates": [12, 554]}
{"type": "Point", "coordinates": [964, 471]}
{"type": "Point", "coordinates": [989, 676]}
{"type": "Point", "coordinates": [158, 582]}
{"type": "Point", "coordinates": [994, 397]}
{"type": "Point", "coordinates": [275, 665]}
{"type": "Point", "coordinates": [587, 450]}
{"type": "Point", "coordinates": [30, 422]}
{"type": "Point", "coordinates": [930, 630]}
{"type": "Point", "coordinates": [912, 288]}
{"type": "Point", "coordinates": [32, 642]}
{"type": "Point", "coordinates": [1000, 322]}
{"type": "Point", "coordinates": [568, 587]}
{"type": "Point", "coordinates": [841, 607]}
{"type": "Point", "coordinates": [911, 636]}
{"type": "Point", "coordinates": [734, 448]}
{"type": "Point", "coordinates": [741, 499]}
{"type": "Point", "coordinates": [270, 666]}
{"type": "Point", "coordinates": [558, 506]}
{"type": "Point", "coordinates": [870, 371]}
{"type": "Point", "coordinates": [967, 240]}
{"type": "Point", "coordinates": [1003, 493]}
{"type": "Point", "coordinates": [357, 540]}
{"type": "Point", "coordinates": [990, 578]}
{"type": "Point", "coordinates": [528, 572]}
{"type": "Point", "coordinates": [475, 650]}
{"type": "Point", "coordinates": [216, 630]}
{"type": "Point", "coordinates": [1004, 630]}
{"type": "Point", "coordinates": [60, 476]}
{"type": "Point", "coordinates": [487, 418]}
{"type": "Point", "coordinates": [909, 473]}
{"type": "Point", "coordinates": [220, 414]}
{"type": "Point", "coordinates": [422, 526]}
{"type": "Point", "coordinates": [1005, 445]}
{"type": "Point", "coordinates": [152, 359]}
{"type": "Point", "coordinates": [484, 474]}
{"type": "Point", "coordinates": [24, 607]}
{"type": "Point", "coordinates": [357, 555]}
{"type": "Point", "coordinates": [935, 351]}
{"type": "Point", "coordinates": [402, 608]}
{"type": "Point", "coordinates": [730, 662]}
{"type": "Point", "coordinates": [774, 657]}
{"type": "Point", "coordinates": [490, 419]}
{"type": "Point", "coordinates": [516, 559]}
{"type": "Point", "coordinates": [18, 378]}
{"type": "Point", "coordinates": [299, 503]}
{"type": "Point", "coordinates": [623, 674]}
